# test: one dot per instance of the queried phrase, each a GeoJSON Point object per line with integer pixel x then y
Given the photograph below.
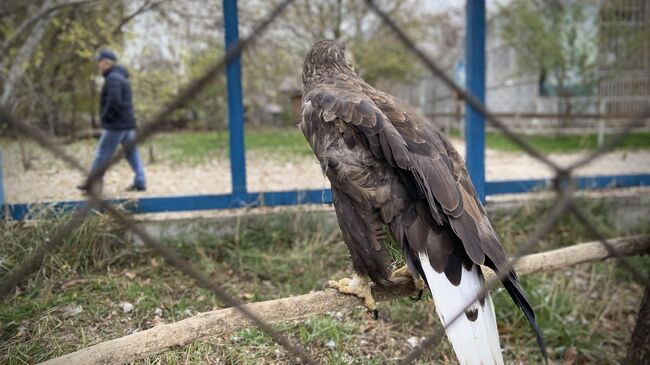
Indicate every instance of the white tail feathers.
{"type": "Point", "coordinates": [475, 342]}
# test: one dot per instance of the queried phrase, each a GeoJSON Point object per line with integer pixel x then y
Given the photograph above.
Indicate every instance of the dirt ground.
{"type": "Point", "coordinates": [51, 180]}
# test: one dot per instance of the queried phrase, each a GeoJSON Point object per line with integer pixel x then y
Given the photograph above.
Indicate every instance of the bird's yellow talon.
{"type": "Point", "coordinates": [405, 272]}
{"type": "Point", "coordinates": [359, 286]}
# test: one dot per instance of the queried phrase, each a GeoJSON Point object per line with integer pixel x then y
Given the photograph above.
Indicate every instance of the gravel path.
{"type": "Point", "coordinates": [51, 180]}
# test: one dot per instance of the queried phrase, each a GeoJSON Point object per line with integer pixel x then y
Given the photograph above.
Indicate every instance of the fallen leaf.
{"type": "Point", "coordinates": [71, 310]}
{"type": "Point", "coordinates": [157, 321]}
{"type": "Point", "coordinates": [70, 283]}
{"type": "Point", "coordinates": [154, 262]}
{"type": "Point", "coordinates": [126, 307]}
{"type": "Point", "coordinates": [415, 341]}
{"type": "Point", "coordinates": [129, 274]}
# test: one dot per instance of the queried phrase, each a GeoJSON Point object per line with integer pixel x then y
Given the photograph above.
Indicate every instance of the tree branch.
{"type": "Point", "coordinates": [146, 6]}
{"type": "Point", "coordinates": [17, 69]}
{"type": "Point", "coordinates": [47, 9]}
{"type": "Point", "coordinates": [216, 323]}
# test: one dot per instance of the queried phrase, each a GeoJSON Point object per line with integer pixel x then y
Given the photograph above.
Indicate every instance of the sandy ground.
{"type": "Point", "coordinates": [50, 180]}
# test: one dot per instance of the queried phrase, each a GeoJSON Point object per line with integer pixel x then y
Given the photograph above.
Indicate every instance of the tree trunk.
{"type": "Point", "coordinates": [25, 156]}
{"type": "Point", "coordinates": [50, 124]}
{"type": "Point", "coordinates": [639, 350]}
{"type": "Point", "coordinates": [339, 16]}
{"type": "Point", "coordinates": [73, 122]}
{"type": "Point", "coordinates": [17, 68]}
{"type": "Point", "coordinates": [93, 103]}
{"type": "Point", "coordinates": [152, 155]}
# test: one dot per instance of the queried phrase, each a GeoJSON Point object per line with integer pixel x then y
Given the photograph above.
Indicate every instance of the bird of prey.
{"type": "Point", "coordinates": [389, 167]}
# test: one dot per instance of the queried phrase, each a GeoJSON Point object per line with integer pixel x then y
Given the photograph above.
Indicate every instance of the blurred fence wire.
{"type": "Point", "coordinates": [564, 187]}
{"type": "Point", "coordinates": [563, 181]}
{"type": "Point", "coordinates": [34, 260]}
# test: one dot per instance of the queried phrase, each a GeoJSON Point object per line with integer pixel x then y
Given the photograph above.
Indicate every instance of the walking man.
{"type": "Point", "coordinates": [118, 119]}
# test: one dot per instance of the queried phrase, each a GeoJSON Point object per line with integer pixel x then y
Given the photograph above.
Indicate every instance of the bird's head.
{"type": "Point", "coordinates": [325, 57]}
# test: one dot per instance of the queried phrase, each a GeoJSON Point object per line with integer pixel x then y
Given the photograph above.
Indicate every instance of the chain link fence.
{"type": "Point", "coordinates": [564, 186]}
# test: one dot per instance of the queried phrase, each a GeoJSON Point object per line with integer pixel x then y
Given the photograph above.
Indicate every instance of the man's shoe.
{"type": "Point", "coordinates": [85, 188]}
{"type": "Point", "coordinates": [136, 188]}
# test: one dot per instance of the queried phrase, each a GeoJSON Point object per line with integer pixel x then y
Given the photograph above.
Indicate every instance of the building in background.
{"type": "Point", "coordinates": [528, 99]}
{"type": "Point", "coordinates": [625, 85]}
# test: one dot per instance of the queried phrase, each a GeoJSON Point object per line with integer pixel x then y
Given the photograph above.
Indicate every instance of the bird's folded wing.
{"type": "Point", "coordinates": [395, 133]}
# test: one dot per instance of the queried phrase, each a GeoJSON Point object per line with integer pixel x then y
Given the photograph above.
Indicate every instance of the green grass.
{"type": "Point", "coordinates": [572, 306]}
{"type": "Point", "coordinates": [332, 335]}
{"type": "Point", "coordinates": [292, 253]}
{"type": "Point", "coordinates": [564, 143]}
{"type": "Point", "coordinates": [198, 147]}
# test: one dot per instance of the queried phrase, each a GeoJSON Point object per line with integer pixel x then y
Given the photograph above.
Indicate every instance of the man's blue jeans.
{"type": "Point", "coordinates": [108, 143]}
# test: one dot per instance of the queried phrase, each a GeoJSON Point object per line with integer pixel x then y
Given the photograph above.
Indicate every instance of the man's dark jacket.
{"type": "Point", "coordinates": [116, 102]}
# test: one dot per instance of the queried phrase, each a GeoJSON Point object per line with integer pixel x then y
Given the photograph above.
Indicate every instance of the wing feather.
{"type": "Point", "coordinates": [404, 142]}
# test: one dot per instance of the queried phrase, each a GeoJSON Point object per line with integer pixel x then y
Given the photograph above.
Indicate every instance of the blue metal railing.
{"type": "Point", "coordinates": [240, 197]}
{"type": "Point", "coordinates": [315, 196]}
{"type": "Point", "coordinates": [235, 104]}
{"type": "Point", "coordinates": [475, 79]}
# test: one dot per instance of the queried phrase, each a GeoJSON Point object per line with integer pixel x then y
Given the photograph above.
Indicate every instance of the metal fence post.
{"type": "Point", "coordinates": [235, 104]}
{"type": "Point", "coordinates": [475, 68]}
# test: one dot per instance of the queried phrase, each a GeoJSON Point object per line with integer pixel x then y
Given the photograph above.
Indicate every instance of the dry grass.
{"type": "Point", "coordinates": [586, 311]}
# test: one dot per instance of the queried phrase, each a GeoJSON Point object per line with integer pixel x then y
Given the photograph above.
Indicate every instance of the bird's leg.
{"type": "Point", "coordinates": [359, 286]}
{"type": "Point", "coordinates": [404, 271]}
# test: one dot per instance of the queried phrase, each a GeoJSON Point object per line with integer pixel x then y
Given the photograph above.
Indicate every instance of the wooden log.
{"type": "Point", "coordinates": [216, 323]}
{"type": "Point", "coordinates": [577, 254]}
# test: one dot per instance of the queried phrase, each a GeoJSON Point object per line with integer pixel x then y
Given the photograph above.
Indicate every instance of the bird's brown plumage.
{"type": "Point", "coordinates": [388, 166]}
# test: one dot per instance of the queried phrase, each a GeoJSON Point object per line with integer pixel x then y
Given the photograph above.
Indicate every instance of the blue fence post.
{"type": "Point", "coordinates": [235, 104]}
{"type": "Point", "coordinates": [475, 68]}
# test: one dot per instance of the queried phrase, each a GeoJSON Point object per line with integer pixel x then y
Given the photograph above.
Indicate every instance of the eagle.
{"type": "Point", "coordinates": [392, 172]}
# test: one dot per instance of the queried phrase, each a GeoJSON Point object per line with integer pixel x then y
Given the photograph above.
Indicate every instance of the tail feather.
{"type": "Point", "coordinates": [517, 294]}
{"type": "Point", "coordinates": [473, 334]}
